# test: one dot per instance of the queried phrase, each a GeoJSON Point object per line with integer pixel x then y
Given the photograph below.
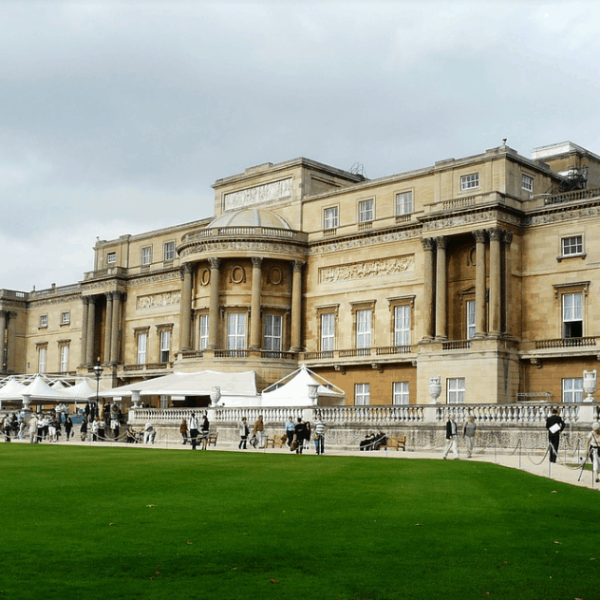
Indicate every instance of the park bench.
{"type": "Point", "coordinates": [212, 439]}
{"type": "Point", "coordinates": [276, 440]}
{"type": "Point", "coordinates": [394, 443]}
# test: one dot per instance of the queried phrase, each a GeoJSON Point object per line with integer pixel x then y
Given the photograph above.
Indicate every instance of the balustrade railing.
{"type": "Point", "coordinates": [572, 196]}
{"type": "Point", "coordinates": [580, 342]}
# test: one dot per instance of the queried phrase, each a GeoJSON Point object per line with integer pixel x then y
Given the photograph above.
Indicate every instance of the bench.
{"type": "Point", "coordinates": [395, 442]}
{"type": "Point", "coordinates": [212, 439]}
{"type": "Point", "coordinates": [276, 440]}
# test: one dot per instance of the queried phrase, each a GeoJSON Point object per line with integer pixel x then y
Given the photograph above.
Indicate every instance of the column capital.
{"type": "Point", "coordinates": [298, 264]}
{"type": "Point", "coordinates": [428, 243]}
{"type": "Point", "coordinates": [507, 237]}
{"type": "Point", "coordinates": [496, 234]}
{"type": "Point", "coordinates": [214, 262]}
{"type": "Point", "coordinates": [187, 268]}
{"type": "Point", "coordinates": [441, 241]}
{"type": "Point", "coordinates": [257, 261]}
{"type": "Point", "coordinates": [480, 236]}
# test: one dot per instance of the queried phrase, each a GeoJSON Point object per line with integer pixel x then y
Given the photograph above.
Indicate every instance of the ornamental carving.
{"type": "Point", "coordinates": [466, 219]}
{"type": "Point", "coordinates": [563, 215]}
{"type": "Point", "coordinates": [371, 240]}
{"type": "Point", "coordinates": [158, 300]}
{"type": "Point", "coordinates": [367, 269]}
{"type": "Point", "coordinates": [260, 193]}
{"type": "Point", "coordinates": [260, 247]}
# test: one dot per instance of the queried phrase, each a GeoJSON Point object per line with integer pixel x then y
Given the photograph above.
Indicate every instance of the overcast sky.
{"type": "Point", "coordinates": [116, 117]}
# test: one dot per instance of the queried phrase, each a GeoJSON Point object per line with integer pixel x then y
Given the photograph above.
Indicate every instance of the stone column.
{"type": "Point", "coordinates": [85, 301]}
{"type": "Point", "coordinates": [11, 340]}
{"type": "Point", "coordinates": [495, 281]}
{"type": "Point", "coordinates": [213, 309]}
{"type": "Point", "coordinates": [507, 240]}
{"type": "Point", "coordinates": [185, 325]}
{"type": "Point", "coordinates": [480, 329]}
{"type": "Point", "coordinates": [255, 305]}
{"type": "Point", "coordinates": [441, 309]}
{"type": "Point", "coordinates": [91, 322]}
{"type": "Point", "coordinates": [115, 328]}
{"type": "Point", "coordinates": [428, 246]}
{"type": "Point", "coordinates": [108, 326]}
{"type": "Point", "coordinates": [297, 307]}
{"type": "Point", "coordinates": [3, 366]}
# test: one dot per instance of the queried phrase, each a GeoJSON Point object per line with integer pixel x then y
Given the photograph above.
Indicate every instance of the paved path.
{"type": "Point", "coordinates": [536, 464]}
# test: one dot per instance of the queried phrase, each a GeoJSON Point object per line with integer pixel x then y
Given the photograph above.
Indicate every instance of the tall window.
{"type": "Point", "coordinates": [402, 325]}
{"type": "Point", "coordinates": [401, 392]}
{"type": "Point", "coordinates": [572, 309]}
{"type": "Point", "coordinates": [366, 211]}
{"type": "Point", "coordinates": [470, 319]}
{"type": "Point", "coordinates": [572, 389]}
{"type": "Point", "coordinates": [362, 394]}
{"type": "Point", "coordinates": [64, 358]}
{"type": "Point", "coordinates": [272, 339]}
{"type": "Point", "coordinates": [42, 353]}
{"type": "Point", "coordinates": [203, 332]}
{"type": "Point", "coordinates": [331, 218]}
{"type": "Point", "coordinates": [236, 331]}
{"type": "Point", "coordinates": [468, 182]}
{"type": "Point", "coordinates": [363, 328]}
{"type": "Point", "coordinates": [456, 390]}
{"type": "Point", "coordinates": [165, 345]}
{"type": "Point", "coordinates": [571, 246]}
{"type": "Point", "coordinates": [327, 332]}
{"type": "Point", "coordinates": [404, 203]}
{"type": "Point", "coordinates": [169, 251]}
{"type": "Point", "coordinates": [147, 255]}
{"type": "Point", "coordinates": [527, 183]}
{"type": "Point", "coordinates": [142, 345]}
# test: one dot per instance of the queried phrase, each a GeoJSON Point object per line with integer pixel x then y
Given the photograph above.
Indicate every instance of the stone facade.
{"type": "Point", "coordinates": [482, 271]}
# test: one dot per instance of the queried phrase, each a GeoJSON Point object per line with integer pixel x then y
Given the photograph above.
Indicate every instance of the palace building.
{"type": "Point", "coordinates": [482, 271]}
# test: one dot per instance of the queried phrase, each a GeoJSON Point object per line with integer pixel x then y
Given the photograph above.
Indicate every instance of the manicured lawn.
{"type": "Point", "coordinates": [109, 523]}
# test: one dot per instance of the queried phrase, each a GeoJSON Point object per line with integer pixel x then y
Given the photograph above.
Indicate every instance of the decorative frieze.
{"type": "Point", "coordinates": [367, 269]}
{"type": "Point", "coordinates": [361, 242]}
{"type": "Point", "coordinates": [469, 218]}
{"type": "Point", "coordinates": [259, 194]}
{"type": "Point", "coordinates": [158, 300]}
{"type": "Point", "coordinates": [565, 214]}
{"type": "Point", "coordinates": [241, 245]}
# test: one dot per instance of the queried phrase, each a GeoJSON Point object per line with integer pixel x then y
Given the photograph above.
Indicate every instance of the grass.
{"type": "Point", "coordinates": [111, 523]}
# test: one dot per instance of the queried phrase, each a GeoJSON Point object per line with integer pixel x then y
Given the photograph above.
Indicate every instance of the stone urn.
{"type": "Point", "coordinates": [435, 388]}
{"type": "Point", "coordinates": [215, 395]}
{"type": "Point", "coordinates": [589, 384]}
{"type": "Point", "coordinates": [136, 399]}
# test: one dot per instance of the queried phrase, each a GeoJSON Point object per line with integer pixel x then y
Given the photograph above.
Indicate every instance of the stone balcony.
{"type": "Point", "coordinates": [537, 350]}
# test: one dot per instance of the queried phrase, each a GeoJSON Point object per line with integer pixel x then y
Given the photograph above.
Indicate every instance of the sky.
{"type": "Point", "coordinates": [117, 117]}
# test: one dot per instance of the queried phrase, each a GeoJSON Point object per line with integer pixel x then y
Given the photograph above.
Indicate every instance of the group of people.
{"type": "Point", "coordinates": [101, 427]}
{"type": "Point", "coordinates": [469, 430]}
{"type": "Point", "coordinates": [195, 432]}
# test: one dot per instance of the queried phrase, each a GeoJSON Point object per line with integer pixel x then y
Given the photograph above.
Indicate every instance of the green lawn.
{"type": "Point", "coordinates": [107, 523]}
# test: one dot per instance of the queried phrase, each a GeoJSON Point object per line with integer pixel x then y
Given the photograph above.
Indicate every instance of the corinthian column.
{"type": "Point", "coordinates": [85, 302]}
{"type": "Point", "coordinates": [495, 281]}
{"type": "Point", "coordinates": [428, 246]}
{"type": "Point", "coordinates": [91, 323]}
{"type": "Point", "coordinates": [255, 306]}
{"type": "Point", "coordinates": [480, 329]}
{"type": "Point", "coordinates": [441, 309]}
{"type": "Point", "coordinates": [213, 309]}
{"type": "Point", "coordinates": [297, 306]}
{"type": "Point", "coordinates": [108, 326]}
{"type": "Point", "coordinates": [185, 325]}
{"type": "Point", "coordinates": [115, 328]}
{"type": "Point", "coordinates": [2, 340]}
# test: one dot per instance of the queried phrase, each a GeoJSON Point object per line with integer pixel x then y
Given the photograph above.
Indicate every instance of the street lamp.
{"type": "Point", "coordinates": [98, 373]}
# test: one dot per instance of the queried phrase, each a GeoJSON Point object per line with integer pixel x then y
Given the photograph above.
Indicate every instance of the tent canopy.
{"type": "Point", "coordinates": [201, 383]}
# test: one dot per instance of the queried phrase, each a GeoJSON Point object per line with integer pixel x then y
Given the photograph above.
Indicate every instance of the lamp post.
{"type": "Point", "coordinates": [98, 373]}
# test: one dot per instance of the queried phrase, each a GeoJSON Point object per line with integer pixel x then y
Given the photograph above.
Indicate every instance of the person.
{"type": "Point", "coordinates": [115, 421]}
{"type": "Point", "coordinates": [6, 427]}
{"type": "Point", "coordinates": [320, 433]}
{"type": "Point", "coordinates": [593, 450]}
{"type": "Point", "coordinates": [33, 428]}
{"type": "Point", "coordinates": [194, 430]}
{"type": "Point", "coordinates": [84, 427]}
{"type": "Point", "coordinates": [380, 440]}
{"type": "Point", "coordinates": [244, 430]}
{"type": "Point", "coordinates": [130, 435]}
{"type": "Point", "coordinates": [183, 430]}
{"type": "Point", "coordinates": [52, 429]}
{"type": "Point", "coordinates": [95, 429]}
{"type": "Point", "coordinates": [205, 430]}
{"type": "Point", "coordinates": [259, 432]}
{"type": "Point", "coordinates": [554, 425]}
{"type": "Point", "coordinates": [148, 433]}
{"type": "Point", "coordinates": [451, 438]}
{"type": "Point", "coordinates": [68, 427]}
{"type": "Point", "coordinates": [300, 435]}
{"type": "Point", "coordinates": [469, 429]}
{"type": "Point", "coordinates": [367, 443]}
{"type": "Point", "coordinates": [289, 431]}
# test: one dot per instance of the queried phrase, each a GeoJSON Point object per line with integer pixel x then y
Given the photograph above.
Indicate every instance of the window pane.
{"type": "Point", "coordinates": [366, 212]}
{"type": "Point", "coordinates": [203, 332]}
{"type": "Point", "coordinates": [363, 329]}
{"type": "Point", "coordinates": [362, 394]}
{"type": "Point", "coordinates": [327, 332]}
{"type": "Point", "coordinates": [401, 392]}
{"type": "Point", "coordinates": [402, 325]}
{"type": "Point", "coordinates": [470, 319]}
{"type": "Point", "coordinates": [272, 340]}
{"type": "Point", "coordinates": [404, 203]}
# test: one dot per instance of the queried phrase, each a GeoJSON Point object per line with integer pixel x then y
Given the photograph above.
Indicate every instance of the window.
{"type": "Point", "coordinates": [362, 394]}
{"type": "Point", "coordinates": [64, 358]}
{"type": "Point", "coordinates": [165, 345]}
{"type": "Point", "coordinates": [572, 389]}
{"type": "Point", "coordinates": [147, 255]}
{"type": "Point", "coordinates": [527, 183]}
{"type": "Point", "coordinates": [404, 203]}
{"type": "Point", "coordinates": [43, 321]}
{"type": "Point", "coordinates": [571, 246]}
{"type": "Point", "coordinates": [366, 211]}
{"type": "Point", "coordinates": [203, 332]}
{"type": "Point", "coordinates": [327, 332]}
{"type": "Point", "coordinates": [65, 318]}
{"type": "Point", "coordinates": [42, 359]}
{"type": "Point", "coordinates": [363, 328]}
{"type": "Point", "coordinates": [330, 218]}
{"type": "Point", "coordinates": [236, 331]}
{"type": "Point", "coordinates": [142, 344]}
{"type": "Point", "coordinates": [401, 392]}
{"type": "Point", "coordinates": [272, 339]}
{"type": "Point", "coordinates": [456, 390]}
{"type": "Point", "coordinates": [169, 251]}
{"type": "Point", "coordinates": [402, 325]}
{"type": "Point", "coordinates": [470, 319]}
{"type": "Point", "coordinates": [572, 310]}
{"type": "Point", "coordinates": [468, 182]}
{"type": "Point", "coordinates": [111, 258]}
